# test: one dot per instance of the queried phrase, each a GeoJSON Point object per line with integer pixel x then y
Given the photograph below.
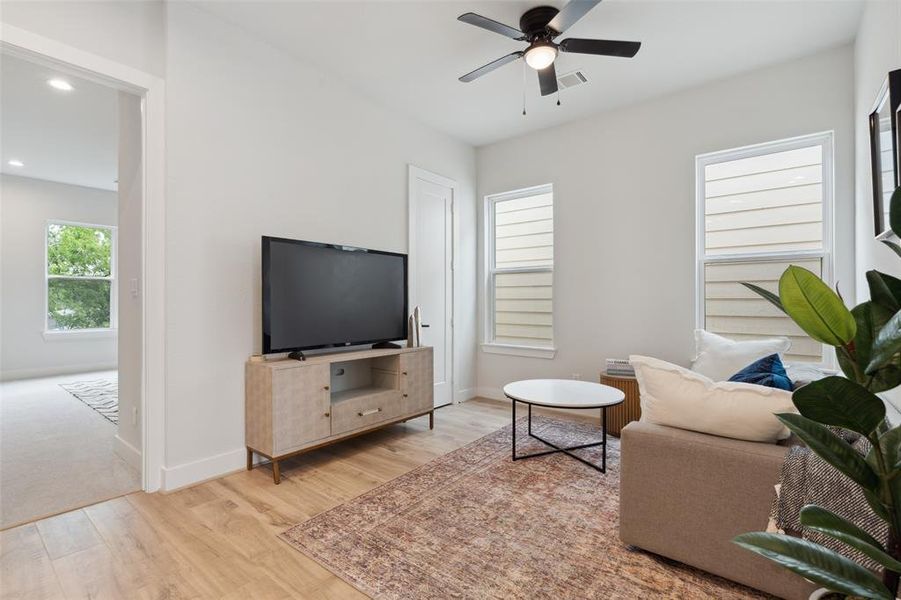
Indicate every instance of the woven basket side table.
{"type": "Point", "coordinates": [630, 410]}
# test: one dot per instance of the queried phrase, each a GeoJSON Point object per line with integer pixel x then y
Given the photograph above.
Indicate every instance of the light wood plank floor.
{"type": "Point", "coordinates": [219, 539]}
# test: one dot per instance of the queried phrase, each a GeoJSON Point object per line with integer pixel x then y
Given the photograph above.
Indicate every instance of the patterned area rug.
{"type": "Point", "coordinates": [474, 524]}
{"type": "Point", "coordinates": [101, 394]}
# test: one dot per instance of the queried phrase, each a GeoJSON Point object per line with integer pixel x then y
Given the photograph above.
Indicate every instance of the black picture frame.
{"type": "Point", "coordinates": [887, 105]}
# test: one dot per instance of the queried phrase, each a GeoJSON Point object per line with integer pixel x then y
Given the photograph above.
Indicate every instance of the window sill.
{"type": "Point", "coordinates": [64, 335]}
{"type": "Point", "coordinates": [527, 351]}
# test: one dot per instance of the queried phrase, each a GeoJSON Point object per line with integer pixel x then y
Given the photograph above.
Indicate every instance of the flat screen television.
{"type": "Point", "coordinates": [323, 295]}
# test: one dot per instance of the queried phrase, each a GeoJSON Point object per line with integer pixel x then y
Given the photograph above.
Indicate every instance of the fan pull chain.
{"type": "Point", "coordinates": [558, 96]}
{"type": "Point", "coordinates": [524, 88]}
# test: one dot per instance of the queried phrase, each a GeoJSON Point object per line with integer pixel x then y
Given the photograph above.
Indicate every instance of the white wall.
{"type": "Point", "coordinates": [129, 265]}
{"type": "Point", "coordinates": [259, 144]}
{"type": "Point", "coordinates": [876, 52]}
{"type": "Point", "coordinates": [25, 207]}
{"type": "Point", "coordinates": [130, 32]}
{"type": "Point", "coordinates": [625, 206]}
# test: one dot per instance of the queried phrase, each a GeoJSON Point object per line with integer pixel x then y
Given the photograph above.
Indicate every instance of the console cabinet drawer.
{"type": "Point", "coordinates": [300, 406]}
{"type": "Point", "coordinates": [417, 381]}
{"type": "Point", "coordinates": [357, 413]}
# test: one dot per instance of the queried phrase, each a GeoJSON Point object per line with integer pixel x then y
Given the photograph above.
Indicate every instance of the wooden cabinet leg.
{"type": "Point", "coordinates": [432, 420]}
{"type": "Point", "coordinates": [249, 459]}
{"type": "Point", "coordinates": [276, 472]}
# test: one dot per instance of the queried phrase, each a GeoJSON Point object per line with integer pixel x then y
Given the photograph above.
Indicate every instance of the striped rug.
{"type": "Point", "coordinates": [100, 394]}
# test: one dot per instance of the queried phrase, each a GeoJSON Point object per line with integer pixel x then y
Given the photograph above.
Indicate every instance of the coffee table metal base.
{"type": "Point", "coordinates": [568, 451]}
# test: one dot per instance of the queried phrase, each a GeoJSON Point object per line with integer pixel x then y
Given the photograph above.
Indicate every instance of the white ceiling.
{"type": "Point", "coordinates": [408, 55]}
{"type": "Point", "coordinates": [69, 137]}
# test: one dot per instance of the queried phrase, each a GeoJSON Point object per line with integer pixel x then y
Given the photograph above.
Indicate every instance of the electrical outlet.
{"type": "Point", "coordinates": [134, 415]}
{"type": "Point", "coordinates": [577, 376]}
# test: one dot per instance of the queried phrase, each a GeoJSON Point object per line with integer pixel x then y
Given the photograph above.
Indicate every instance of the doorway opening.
{"type": "Point", "coordinates": [71, 313]}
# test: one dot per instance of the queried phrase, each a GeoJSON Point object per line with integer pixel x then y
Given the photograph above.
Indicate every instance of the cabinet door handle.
{"type": "Point", "coordinates": [326, 387]}
{"type": "Point", "coordinates": [404, 372]}
{"type": "Point", "coordinates": [371, 411]}
{"type": "Point", "coordinates": [328, 414]}
{"type": "Point", "coordinates": [405, 395]}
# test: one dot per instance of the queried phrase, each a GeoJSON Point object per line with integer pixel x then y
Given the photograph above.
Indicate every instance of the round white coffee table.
{"type": "Point", "coordinates": [564, 393]}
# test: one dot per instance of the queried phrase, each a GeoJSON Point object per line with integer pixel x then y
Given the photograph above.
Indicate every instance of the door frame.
{"type": "Point", "coordinates": [415, 173]}
{"type": "Point", "coordinates": [151, 89]}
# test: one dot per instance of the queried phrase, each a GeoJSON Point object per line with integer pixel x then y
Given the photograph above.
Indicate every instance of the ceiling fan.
{"type": "Point", "coordinates": [539, 27]}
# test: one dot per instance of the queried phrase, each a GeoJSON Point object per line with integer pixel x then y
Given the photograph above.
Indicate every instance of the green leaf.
{"type": "Point", "coordinates": [893, 246]}
{"type": "Point", "coordinates": [890, 442]}
{"type": "Point", "coordinates": [887, 344]}
{"type": "Point", "coordinates": [765, 294]}
{"type": "Point", "coordinates": [870, 318]}
{"type": "Point", "coordinates": [815, 307]}
{"type": "Point", "coordinates": [840, 402]}
{"type": "Point", "coordinates": [885, 290]}
{"type": "Point", "coordinates": [832, 449]}
{"type": "Point", "coordinates": [894, 217]}
{"type": "Point", "coordinates": [820, 565]}
{"type": "Point", "coordinates": [820, 519]}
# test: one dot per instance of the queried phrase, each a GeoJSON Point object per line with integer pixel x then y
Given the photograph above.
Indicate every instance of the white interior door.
{"type": "Point", "coordinates": [431, 270]}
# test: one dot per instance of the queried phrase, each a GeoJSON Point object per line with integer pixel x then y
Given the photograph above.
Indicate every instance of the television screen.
{"type": "Point", "coordinates": [321, 295]}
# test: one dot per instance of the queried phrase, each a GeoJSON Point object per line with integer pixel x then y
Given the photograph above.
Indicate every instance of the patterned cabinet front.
{"type": "Point", "coordinates": [417, 381]}
{"type": "Point", "coordinates": [300, 406]}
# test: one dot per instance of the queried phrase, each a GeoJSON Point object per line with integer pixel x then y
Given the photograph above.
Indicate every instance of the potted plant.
{"type": "Point", "coordinates": [867, 341]}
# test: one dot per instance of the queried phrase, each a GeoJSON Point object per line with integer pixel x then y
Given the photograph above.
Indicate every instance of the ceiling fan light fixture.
{"type": "Point", "coordinates": [540, 56]}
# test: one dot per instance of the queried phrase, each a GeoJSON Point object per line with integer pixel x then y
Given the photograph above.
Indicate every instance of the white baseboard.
{"type": "Point", "coordinates": [465, 394]}
{"type": "Point", "coordinates": [12, 374]}
{"type": "Point", "coordinates": [490, 392]}
{"type": "Point", "coordinates": [127, 452]}
{"type": "Point", "coordinates": [204, 469]}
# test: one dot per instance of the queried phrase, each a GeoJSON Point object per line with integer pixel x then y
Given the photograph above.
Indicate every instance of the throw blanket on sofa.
{"type": "Point", "coordinates": [808, 479]}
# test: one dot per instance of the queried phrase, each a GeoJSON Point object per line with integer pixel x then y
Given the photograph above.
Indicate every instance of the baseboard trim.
{"type": "Point", "coordinates": [490, 392]}
{"type": "Point", "coordinates": [203, 469]}
{"type": "Point", "coordinates": [14, 374]}
{"type": "Point", "coordinates": [127, 452]}
{"type": "Point", "coordinates": [465, 394]}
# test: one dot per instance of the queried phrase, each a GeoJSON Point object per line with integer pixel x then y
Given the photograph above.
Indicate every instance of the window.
{"type": "Point", "coordinates": [761, 209]}
{"type": "Point", "coordinates": [520, 269]}
{"type": "Point", "coordinates": [81, 271]}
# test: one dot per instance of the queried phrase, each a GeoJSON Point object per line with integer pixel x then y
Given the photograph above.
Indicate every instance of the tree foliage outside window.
{"type": "Point", "coordinates": [79, 277]}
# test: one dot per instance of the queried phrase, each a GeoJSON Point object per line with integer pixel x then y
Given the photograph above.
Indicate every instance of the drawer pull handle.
{"type": "Point", "coordinates": [328, 414]}
{"type": "Point", "coordinates": [405, 395]}
{"type": "Point", "coordinates": [371, 411]}
{"type": "Point", "coordinates": [405, 372]}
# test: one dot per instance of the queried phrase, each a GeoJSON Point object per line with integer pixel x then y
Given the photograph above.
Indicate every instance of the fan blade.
{"type": "Point", "coordinates": [491, 66]}
{"type": "Point", "coordinates": [600, 47]}
{"type": "Point", "coordinates": [492, 25]}
{"type": "Point", "coordinates": [572, 12]}
{"type": "Point", "coordinates": [547, 80]}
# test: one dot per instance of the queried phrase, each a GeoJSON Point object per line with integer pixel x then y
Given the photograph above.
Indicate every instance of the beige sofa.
{"type": "Point", "coordinates": [685, 495]}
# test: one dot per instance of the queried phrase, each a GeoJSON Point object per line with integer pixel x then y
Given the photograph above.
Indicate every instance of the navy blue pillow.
{"type": "Point", "coordinates": [767, 371]}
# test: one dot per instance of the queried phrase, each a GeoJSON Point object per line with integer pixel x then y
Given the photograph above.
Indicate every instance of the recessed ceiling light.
{"type": "Point", "coordinates": [16, 163]}
{"type": "Point", "coordinates": [60, 84]}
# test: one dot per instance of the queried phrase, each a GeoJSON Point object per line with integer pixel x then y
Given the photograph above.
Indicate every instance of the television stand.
{"type": "Point", "coordinates": [293, 406]}
{"type": "Point", "coordinates": [385, 346]}
{"type": "Point", "coordinates": [297, 355]}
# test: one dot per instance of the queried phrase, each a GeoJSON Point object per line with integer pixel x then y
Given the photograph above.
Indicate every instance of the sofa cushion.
{"type": "Point", "coordinates": [768, 371]}
{"type": "Point", "coordinates": [719, 358]}
{"type": "Point", "coordinates": [674, 396]}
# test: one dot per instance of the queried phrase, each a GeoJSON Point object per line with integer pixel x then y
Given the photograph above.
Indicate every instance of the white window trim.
{"type": "Point", "coordinates": [83, 334]}
{"type": "Point", "coordinates": [826, 141]}
{"type": "Point", "coordinates": [489, 345]}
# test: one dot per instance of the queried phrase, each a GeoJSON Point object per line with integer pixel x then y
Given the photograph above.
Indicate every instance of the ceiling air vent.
{"type": "Point", "coordinates": [572, 79]}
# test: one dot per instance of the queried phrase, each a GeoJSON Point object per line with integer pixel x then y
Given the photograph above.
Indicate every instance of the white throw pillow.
{"type": "Point", "coordinates": [720, 358]}
{"type": "Point", "coordinates": [674, 396]}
